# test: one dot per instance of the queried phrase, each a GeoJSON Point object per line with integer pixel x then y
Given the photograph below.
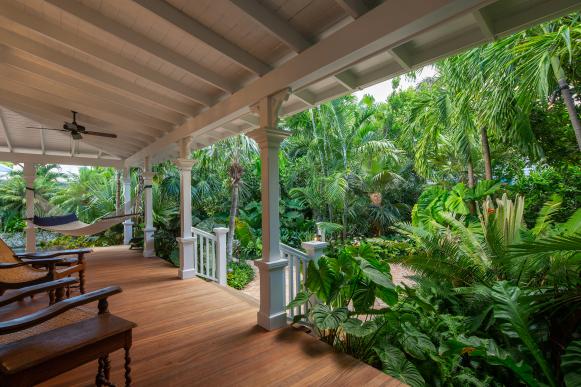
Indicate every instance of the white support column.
{"type": "Point", "coordinates": [314, 249]}
{"type": "Point", "coordinates": [29, 173]}
{"type": "Point", "coordinates": [272, 312]}
{"type": "Point", "coordinates": [149, 230]}
{"type": "Point", "coordinates": [221, 267]}
{"type": "Point", "coordinates": [128, 224]}
{"type": "Point", "coordinates": [186, 241]}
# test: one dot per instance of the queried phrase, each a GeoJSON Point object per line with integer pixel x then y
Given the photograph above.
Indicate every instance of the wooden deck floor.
{"type": "Point", "coordinates": [195, 332]}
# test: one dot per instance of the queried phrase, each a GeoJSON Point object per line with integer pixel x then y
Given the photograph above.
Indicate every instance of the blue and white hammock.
{"type": "Point", "coordinates": [71, 225]}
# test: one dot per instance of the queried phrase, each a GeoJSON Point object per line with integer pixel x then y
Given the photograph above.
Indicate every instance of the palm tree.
{"type": "Point", "coordinates": [545, 57]}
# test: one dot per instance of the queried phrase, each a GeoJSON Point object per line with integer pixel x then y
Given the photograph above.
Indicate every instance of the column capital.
{"type": "Point", "coordinates": [220, 230]}
{"type": "Point", "coordinates": [148, 175]}
{"type": "Point", "coordinates": [268, 107]}
{"type": "Point", "coordinates": [266, 137]}
{"type": "Point", "coordinates": [184, 164]}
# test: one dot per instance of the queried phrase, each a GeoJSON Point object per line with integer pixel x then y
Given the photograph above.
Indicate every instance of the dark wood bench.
{"type": "Point", "coordinates": [40, 346]}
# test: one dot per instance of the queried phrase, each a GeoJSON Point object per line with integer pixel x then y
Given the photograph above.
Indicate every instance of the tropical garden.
{"type": "Point", "coordinates": [470, 178]}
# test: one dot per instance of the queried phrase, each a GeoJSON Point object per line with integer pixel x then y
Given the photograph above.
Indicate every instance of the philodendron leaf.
{"type": "Point", "coordinates": [494, 355]}
{"type": "Point", "coordinates": [389, 296]}
{"type": "Point", "coordinates": [300, 299]}
{"type": "Point", "coordinates": [415, 343]}
{"type": "Point", "coordinates": [394, 363]}
{"type": "Point", "coordinates": [571, 364]}
{"type": "Point", "coordinates": [374, 274]}
{"type": "Point", "coordinates": [320, 279]}
{"type": "Point", "coordinates": [358, 328]}
{"type": "Point", "coordinates": [327, 318]}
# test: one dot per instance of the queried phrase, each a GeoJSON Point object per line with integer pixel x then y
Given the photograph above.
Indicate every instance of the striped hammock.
{"type": "Point", "coordinates": [71, 225]}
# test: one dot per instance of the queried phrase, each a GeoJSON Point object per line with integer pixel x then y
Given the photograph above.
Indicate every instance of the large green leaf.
{"type": "Point", "coordinates": [489, 351]}
{"type": "Point", "coordinates": [394, 363]}
{"type": "Point", "coordinates": [374, 274]}
{"type": "Point", "coordinates": [571, 364]}
{"type": "Point", "coordinates": [511, 307]}
{"type": "Point", "coordinates": [327, 318]}
{"type": "Point", "coordinates": [321, 279]}
{"type": "Point", "coordinates": [300, 299]}
{"type": "Point", "coordinates": [415, 343]}
{"type": "Point", "coordinates": [358, 328]}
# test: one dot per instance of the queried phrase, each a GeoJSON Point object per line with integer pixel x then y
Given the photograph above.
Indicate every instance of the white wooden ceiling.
{"type": "Point", "coordinates": [155, 71]}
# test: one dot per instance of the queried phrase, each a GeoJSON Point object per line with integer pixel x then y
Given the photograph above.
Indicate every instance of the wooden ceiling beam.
{"type": "Point", "coordinates": [95, 74]}
{"type": "Point", "coordinates": [54, 159]}
{"type": "Point", "coordinates": [354, 8]}
{"type": "Point", "coordinates": [10, 58]}
{"type": "Point", "coordinates": [4, 131]}
{"type": "Point", "coordinates": [45, 28]}
{"type": "Point", "coordinates": [273, 24]}
{"type": "Point", "coordinates": [144, 43]}
{"type": "Point", "coordinates": [205, 35]}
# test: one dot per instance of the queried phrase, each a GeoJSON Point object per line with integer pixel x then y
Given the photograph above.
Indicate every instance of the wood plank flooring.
{"type": "Point", "coordinates": [195, 332]}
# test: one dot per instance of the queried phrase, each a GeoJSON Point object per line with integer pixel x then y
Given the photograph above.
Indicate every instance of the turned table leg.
{"type": "Point", "coordinates": [127, 366]}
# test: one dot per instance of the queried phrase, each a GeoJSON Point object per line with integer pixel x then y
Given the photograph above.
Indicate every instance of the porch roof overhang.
{"type": "Point", "coordinates": [155, 71]}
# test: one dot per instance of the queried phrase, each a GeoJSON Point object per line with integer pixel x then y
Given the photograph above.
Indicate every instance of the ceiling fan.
{"type": "Point", "coordinates": [77, 131]}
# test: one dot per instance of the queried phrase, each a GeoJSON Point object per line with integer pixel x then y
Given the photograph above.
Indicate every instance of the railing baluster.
{"type": "Point", "coordinates": [291, 283]}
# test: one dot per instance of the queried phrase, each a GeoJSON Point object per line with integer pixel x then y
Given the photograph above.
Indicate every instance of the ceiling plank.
{"type": "Point", "coordinates": [142, 42]}
{"type": "Point", "coordinates": [49, 122]}
{"type": "Point", "coordinates": [4, 130]}
{"type": "Point", "coordinates": [202, 33]}
{"type": "Point", "coordinates": [91, 72]}
{"type": "Point", "coordinates": [273, 23]}
{"type": "Point", "coordinates": [81, 102]}
{"type": "Point", "coordinates": [45, 28]}
{"type": "Point", "coordinates": [64, 160]}
{"type": "Point", "coordinates": [11, 59]}
{"type": "Point", "coordinates": [24, 105]}
{"type": "Point", "coordinates": [66, 105]}
{"type": "Point", "coordinates": [354, 8]}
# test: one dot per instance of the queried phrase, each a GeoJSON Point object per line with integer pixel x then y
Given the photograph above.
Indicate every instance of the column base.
{"type": "Point", "coordinates": [148, 242]}
{"type": "Point", "coordinates": [272, 312]}
{"type": "Point", "coordinates": [127, 231]}
{"type": "Point", "coordinates": [186, 274]}
{"type": "Point", "coordinates": [187, 265]}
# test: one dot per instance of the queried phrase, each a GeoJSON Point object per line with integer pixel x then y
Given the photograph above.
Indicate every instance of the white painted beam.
{"type": "Point", "coordinates": [78, 101]}
{"type": "Point", "coordinates": [484, 24]}
{"type": "Point", "coordinates": [347, 79]}
{"type": "Point", "coordinates": [121, 145]}
{"type": "Point", "coordinates": [45, 28]}
{"type": "Point", "coordinates": [15, 157]}
{"type": "Point", "coordinates": [272, 23]}
{"type": "Point", "coordinates": [36, 98]}
{"type": "Point", "coordinates": [91, 72]}
{"type": "Point", "coordinates": [91, 89]}
{"type": "Point", "coordinates": [134, 38]}
{"type": "Point", "coordinates": [402, 57]}
{"type": "Point", "coordinates": [4, 130]}
{"type": "Point", "coordinates": [354, 8]}
{"type": "Point", "coordinates": [205, 35]}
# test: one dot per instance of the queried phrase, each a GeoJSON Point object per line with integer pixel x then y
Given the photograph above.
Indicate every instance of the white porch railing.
{"type": "Point", "coordinates": [296, 274]}
{"type": "Point", "coordinates": [210, 254]}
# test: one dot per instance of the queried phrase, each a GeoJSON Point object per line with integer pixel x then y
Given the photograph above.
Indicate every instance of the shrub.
{"type": "Point", "coordinates": [240, 274]}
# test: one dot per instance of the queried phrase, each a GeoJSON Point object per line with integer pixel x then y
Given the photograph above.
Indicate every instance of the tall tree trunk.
{"type": "Point", "coordinates": [567, 97]}
{"type": "Point", "coordinates": [118, 194]}
{"type": "Point", "coordinates": [486, 153]}
{"type": "Point", "coordinates": [471, 182]}
{"type": "Point", "coordinates": [232, 221]}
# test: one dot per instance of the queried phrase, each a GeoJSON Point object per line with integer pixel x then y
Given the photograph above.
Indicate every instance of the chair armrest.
{"type": "Point", "coordinates": [43, 315]}
{"type": "Point", "coordinates": [52, 254]}
{"type": "Point", "coordinates": [20, 294]}
{"type": "Point", "coordinates": [45, 261]}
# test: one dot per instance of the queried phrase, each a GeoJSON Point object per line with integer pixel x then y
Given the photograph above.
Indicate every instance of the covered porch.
{"type": "Point", "coordinates": [199, 333]}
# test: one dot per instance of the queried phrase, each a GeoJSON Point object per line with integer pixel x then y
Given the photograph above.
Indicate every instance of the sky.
{"type": "Point", "coordinates": [379, 92]}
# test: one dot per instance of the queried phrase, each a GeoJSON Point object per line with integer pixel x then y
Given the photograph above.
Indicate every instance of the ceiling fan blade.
{"type": "Point", "coordinates": [43, 128]}
{"type": "Point", "coordinates": [102, 134]}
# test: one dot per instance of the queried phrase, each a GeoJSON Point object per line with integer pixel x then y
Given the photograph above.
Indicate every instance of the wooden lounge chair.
{"type": "Point", "coordinates": [61, 337]}
{"type": "Point", "coordinates": [26, 269]}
